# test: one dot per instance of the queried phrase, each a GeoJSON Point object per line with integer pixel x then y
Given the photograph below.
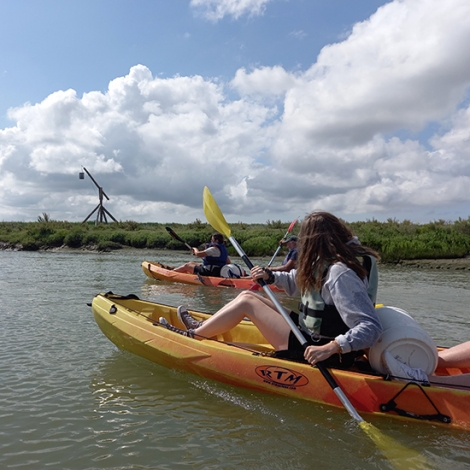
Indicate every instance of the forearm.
{"type": "Point", "coordinates": [199, 254]}
{"type": "Point", "coordinates": [348, 293]}
{"type": "Point", "coordinates": [362, 336]}
{"type": "Point", "coordinates": [314, 354]}
{"type": "Point", "coordinates": [286, 281]}
{"type": "Point", "coordinates": [285, 267]}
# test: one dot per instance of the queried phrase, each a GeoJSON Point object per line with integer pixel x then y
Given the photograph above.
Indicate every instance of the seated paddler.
{"type": "Point", "coordinates": [214, 257]}
{"type": "Point", "coordinates": [337, 279]}
{"type": "Point", "coordinates": [290, 260]}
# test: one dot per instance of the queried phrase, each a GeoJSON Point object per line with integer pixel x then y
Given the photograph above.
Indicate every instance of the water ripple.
{"type": "Point", "coordinates": [70, 400]}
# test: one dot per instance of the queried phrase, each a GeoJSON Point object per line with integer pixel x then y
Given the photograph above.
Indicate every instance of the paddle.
{"type": "Point", "coordinates": [177, 237]}
{"type": "Point", "coordinates": [218, 222]}
{"type": "Point", "coordinates": [291, 226]}
{"type": "Point", "coordinates": [388, 447]}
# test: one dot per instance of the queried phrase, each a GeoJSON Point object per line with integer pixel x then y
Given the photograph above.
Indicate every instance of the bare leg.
{"type": "Point", "coordinates": [462, 380]}
{"type": "Point", "coordinates": [186, 268]}
{"type": "Point", "coordinates": [259, 310]}
{"type": "Point", "coordinates": [457, 356]}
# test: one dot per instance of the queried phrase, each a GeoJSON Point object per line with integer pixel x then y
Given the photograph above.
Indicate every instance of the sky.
{"type": "Point", "coordinates": [280, 107]}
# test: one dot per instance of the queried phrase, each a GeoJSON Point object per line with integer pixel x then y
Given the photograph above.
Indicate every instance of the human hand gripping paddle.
{"type": "Point", "coordinates": [289, 230]}
{"type": "Point", "coordinates": [401, 455]}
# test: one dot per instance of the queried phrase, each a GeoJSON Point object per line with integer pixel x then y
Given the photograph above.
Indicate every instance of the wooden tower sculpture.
{"type": "Point", "coordinates": [102, 211]}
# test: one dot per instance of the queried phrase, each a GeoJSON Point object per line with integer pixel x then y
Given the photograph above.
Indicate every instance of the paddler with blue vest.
{"type": "Point", "coordinates": [337, 279]}
{"type": "Point", "coordinates": [214, 257]}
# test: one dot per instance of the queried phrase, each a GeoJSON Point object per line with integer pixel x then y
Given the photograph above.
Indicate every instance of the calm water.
{"type": "Point", "coordinates": [69, 399]}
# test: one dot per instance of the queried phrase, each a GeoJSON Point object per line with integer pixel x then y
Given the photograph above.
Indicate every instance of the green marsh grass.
{"type": "Point", "coordinates": [394, 240]}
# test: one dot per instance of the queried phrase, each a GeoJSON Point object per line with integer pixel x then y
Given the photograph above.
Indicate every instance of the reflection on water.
{"type": "Point", "coordinates": [71, 400]}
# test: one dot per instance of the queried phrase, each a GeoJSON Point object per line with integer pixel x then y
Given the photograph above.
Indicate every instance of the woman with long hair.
{"type": "Point", "coordinates": [337, 279]}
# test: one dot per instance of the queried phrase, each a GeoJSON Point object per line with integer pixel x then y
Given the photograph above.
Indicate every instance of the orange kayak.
{"type": "Point", "coordinates": [242, 357]}
{"type": "Point", "coordinates": [161, 272]}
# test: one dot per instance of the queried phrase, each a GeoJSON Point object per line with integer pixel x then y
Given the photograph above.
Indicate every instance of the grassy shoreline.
{"type": "Point", "coordinates": [457, 264]}
{"type": "Point", "coordinates": [395, 241]}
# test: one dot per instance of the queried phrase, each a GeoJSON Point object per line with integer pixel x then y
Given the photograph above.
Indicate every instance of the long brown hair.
{"type": "Point", "coordinates": [323, 239]}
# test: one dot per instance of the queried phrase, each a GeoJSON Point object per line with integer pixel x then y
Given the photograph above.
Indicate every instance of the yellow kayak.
{"type": "Point", "coordinates": [242, 357]}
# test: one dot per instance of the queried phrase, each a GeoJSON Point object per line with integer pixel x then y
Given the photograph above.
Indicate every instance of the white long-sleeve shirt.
{"type": "Point", "coordinates": [344, 289]}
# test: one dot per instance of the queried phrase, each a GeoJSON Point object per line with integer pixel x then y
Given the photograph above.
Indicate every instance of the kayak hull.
{"type": "Point", "coordinates": [241, 357]}
{"type": "Point", "coordinates": [158, 271]}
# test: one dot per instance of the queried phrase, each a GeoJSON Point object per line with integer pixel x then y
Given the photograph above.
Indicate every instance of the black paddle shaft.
{"type": "Point", "coordinates": [174, 234]}
{"type": "Point", "coordinates": [250, 265]}
{"type": "Point", "coordinates": [177, 237]}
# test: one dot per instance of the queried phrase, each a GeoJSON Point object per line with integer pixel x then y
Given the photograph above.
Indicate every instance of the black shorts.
{"type": "Point", "coordinates": [295, 351]}
{"type": "Point", "coordinates": [211, 270]}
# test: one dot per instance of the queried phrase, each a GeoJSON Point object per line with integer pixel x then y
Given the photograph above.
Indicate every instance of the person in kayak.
{"type": "Point", "coordinates": [214, 256]}
{"type": "Point", "coordinates": [290, 260]}
{"type": "Point", "coordinates": [337, 315]}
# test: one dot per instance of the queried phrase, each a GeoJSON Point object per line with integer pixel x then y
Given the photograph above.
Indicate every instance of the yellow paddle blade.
{"type": "Point", "coordinates": [213, 214]}
{"type": "Point", "coordinates": [401, 457]}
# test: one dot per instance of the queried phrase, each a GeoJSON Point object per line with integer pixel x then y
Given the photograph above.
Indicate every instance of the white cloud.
{"type": "Point", "coordinates": [326, 138]}
{"type": "Point", "coordinates": [267, 81]}
{"type": "Point", "coordinates": [146, 139]}
{"type": "Point", "coordinates": [402, 68]}
{"type": "Point", "coordinates": [453, 147]}
{"type": "Point", "coordinates": [215, 10]}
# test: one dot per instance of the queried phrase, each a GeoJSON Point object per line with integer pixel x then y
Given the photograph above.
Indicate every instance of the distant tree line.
{"type": "Point", "coordinates": [394, 240]}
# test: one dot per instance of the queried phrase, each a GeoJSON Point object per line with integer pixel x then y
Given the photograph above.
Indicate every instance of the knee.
{"type": "Point", "coordinates": [248, 297]}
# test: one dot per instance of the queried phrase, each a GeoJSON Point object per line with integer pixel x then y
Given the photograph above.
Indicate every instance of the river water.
{"type": "Point", "coordinates": [69, 399]}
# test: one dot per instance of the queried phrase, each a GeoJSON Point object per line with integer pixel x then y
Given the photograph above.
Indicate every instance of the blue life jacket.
{"type": "Point", "coordinates": [216, 260]}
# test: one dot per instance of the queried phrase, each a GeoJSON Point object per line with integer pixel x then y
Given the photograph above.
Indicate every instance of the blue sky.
{"type": "Point", "coordinates": [83, 44]}
{"type": "Point", "coordinates": [280, 107]}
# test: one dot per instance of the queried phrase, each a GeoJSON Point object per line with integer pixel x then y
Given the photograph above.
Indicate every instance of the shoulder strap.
{"type": "Point", "coordinates": [367, 264]}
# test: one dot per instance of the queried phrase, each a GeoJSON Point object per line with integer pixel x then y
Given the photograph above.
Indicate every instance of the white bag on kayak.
{"type": "Point", "coordinates": [232, 271]}
{"type": "Point", "coordinates": [405, 340]}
